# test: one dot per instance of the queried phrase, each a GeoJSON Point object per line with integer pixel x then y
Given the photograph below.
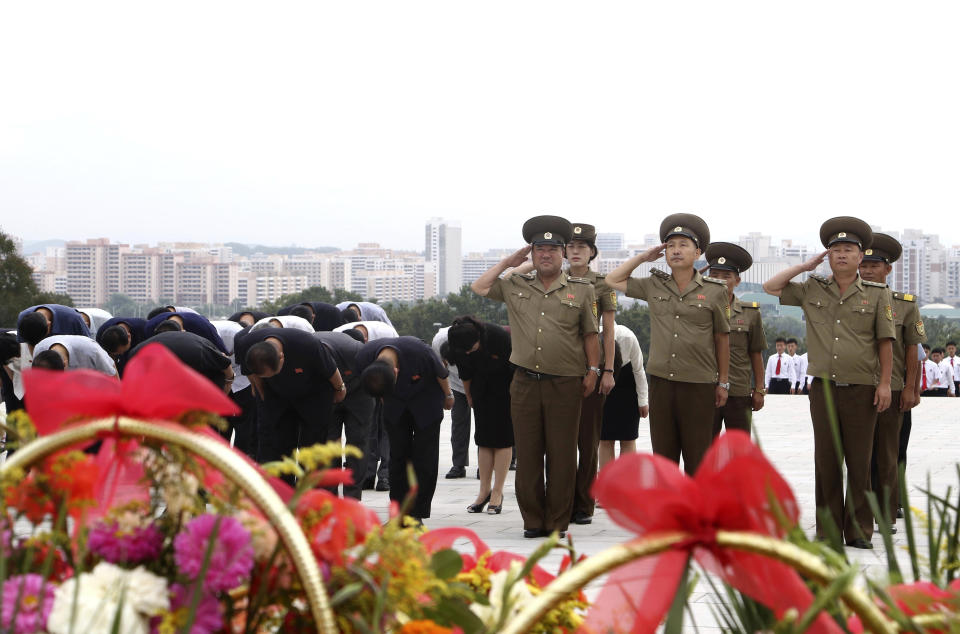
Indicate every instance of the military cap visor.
{"type": "Point", "coordinates": [846, 229]}
{"type": "Point", "coordinates": [688, 225]}
{"type": "Point", "coordinates": [884, 249]}
{"type": "Point", "coordinates": [729, 257]}
{"type": "Point", "coordinates": [547, 230]}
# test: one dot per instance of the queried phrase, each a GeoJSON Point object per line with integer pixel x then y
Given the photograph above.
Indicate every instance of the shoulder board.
{"type": "Point", "coordinates": [750, 304]}
{"type": "Point", "coordinates": [714, 280]}
{"type": "Point", "coordinates": [532, 275]}
{"type": "Point", "coordinates": [874, 284]}
{"type": "Point", "coordinates": [820, 278]}
{"type": "Point", "coordinates": [579, 280]}
{"type": "Point", "coordinates": [660, 273]}
{"type": "Point", "coordinates": [907, 297]}
{"type": "Point", "coordinates": [600, 276]}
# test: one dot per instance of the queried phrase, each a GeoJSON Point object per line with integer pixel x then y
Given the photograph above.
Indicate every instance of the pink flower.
{"type": "Point", "coordinates": [206, 621]}
{"type": "Point", "coordinates": [232, 556]}
{"type": "Point", "coordinates": [34, 608]}
{"type": "Point", "coordinates": [125, 545]}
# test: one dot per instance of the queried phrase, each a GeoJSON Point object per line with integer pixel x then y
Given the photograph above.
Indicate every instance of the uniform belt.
{"type": "Point", "coordinates": [787, 380]}
{"type": "Point", "coordinates": [539, 376]}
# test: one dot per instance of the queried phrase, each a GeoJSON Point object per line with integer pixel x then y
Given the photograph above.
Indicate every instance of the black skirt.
{"type": "Point", "coordinates": [621, 416]}
{"type": "Point", "coordinates": [491, 410]}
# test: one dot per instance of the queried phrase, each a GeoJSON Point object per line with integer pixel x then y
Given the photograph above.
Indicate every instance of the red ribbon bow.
{"type": "Point", "coordinates": [731, 491]}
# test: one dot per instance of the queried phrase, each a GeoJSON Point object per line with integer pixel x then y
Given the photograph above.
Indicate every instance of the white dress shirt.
{"type": "Point", "coordinates": [375, 329]}
{"type": "Point", "coordinates": [954, 363]}
{"type": "Point", "coordinates": [369, 311]}
{"type": "Point", "coordinates": [83, 351]}
{"type": "Point", "coordinates": [288, 321]}
{"type": "Point", "coordinates": [787, 371]}
{"type": "Point", "coordinates": [946, 376]}
{"type": "Point", "coordinates": [438, 340]}
{"type": "Point", "coordinates": [227, 330]}
{"type": "Point", "coordinates": [631, 353]}
{"type": "Point", "coordinates": [932, 371]}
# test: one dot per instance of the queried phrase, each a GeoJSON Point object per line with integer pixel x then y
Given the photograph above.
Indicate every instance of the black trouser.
{"type": "Point", "coordinates": [779, 386]}
{"type": "Point", "coordinates": [353, 418]}
{"type": "Point", "coordinates": [884, 464]}
{"type": "Point", "coordinates": [418, 445]}
{"type": "Point", "coordinates": [244, 424]}
{"type": "Point", "coordinates": [378, 447]}
{"type": "Point", "coordinates": [736, 414]}
{"type": "Point", "coordinates": [460, 430]}
{"type": "Point", "coordinates": [282, 427]}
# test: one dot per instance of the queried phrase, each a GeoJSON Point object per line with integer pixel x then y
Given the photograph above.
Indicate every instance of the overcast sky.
{"type": "Point", "coordinates": [334, 123]}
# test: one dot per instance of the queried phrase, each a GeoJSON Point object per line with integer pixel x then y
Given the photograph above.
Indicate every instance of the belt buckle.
{"type": "Point", "coordinates": [534, 375]}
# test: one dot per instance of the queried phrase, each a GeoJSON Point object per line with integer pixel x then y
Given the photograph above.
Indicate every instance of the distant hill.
{"type": "Point", "coordinates": [39, 246]}
{"type": "Point", "coordinates": [250, 249]}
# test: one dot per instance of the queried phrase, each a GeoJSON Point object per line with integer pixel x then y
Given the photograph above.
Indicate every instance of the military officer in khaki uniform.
{"type": "Point", "coordinates": [689, 349]}
{"type": "Point", "coordinates": [580, 251]}
{"type": "Point", "coordinates": [726, 262]}
{"type": "Point", "coordinates": [876, 266]}
{"type": "Point", "coordinates": [850, 333]}
{"type": "Point", "coordinates": [553, 332]}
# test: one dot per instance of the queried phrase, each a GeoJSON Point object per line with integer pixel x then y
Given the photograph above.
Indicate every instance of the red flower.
{"type": "Point", "coordinates": [333, 524]}
{"type": "Point", "coordinates": [335, 477]}
{"type": "Point", "coordinates": [917, 598]}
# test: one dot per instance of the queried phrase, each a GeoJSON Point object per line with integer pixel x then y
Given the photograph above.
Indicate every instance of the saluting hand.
{"type": "Point", "coordinates": [814, 262]}
{"type": "Point", "coordinates": [654, 253]}
{"type": "Point", "coordinates": [518, 257]}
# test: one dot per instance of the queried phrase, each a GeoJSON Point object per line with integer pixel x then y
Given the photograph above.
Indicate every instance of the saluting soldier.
{"type": "Point", "coordinates": [850, 333]}
{"type": "Point", "coordinates": [876, 266]}
{"type": "Point", "coordinates": [554, 344]}
{"type": "Point", "coordinates": [747, 340]}
{"type": "Point", "coordinates": [689, 348]}
{"type": "Point", "coordinates": [580, 251]}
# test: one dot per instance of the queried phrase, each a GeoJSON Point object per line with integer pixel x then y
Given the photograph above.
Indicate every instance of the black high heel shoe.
{"type": "Point", "coordinates": [494, 509]}
{"type": "Point", "coordinates": [478, 508]}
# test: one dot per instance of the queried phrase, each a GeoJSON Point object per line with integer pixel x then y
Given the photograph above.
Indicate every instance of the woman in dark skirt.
{"type": "Point", "coordinates": [481, 352]}
{"type": "Point", "coordinates": [626, 403]}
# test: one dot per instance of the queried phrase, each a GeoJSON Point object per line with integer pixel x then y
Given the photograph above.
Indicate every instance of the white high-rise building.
{"type": "Point", "coordinates": [610, 242]}
{"type": "Point", "coordinates": [443, 246]}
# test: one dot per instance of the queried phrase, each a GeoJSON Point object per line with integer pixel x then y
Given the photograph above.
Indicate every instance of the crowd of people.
{"type": "Point", "coordinates": [553, 393]}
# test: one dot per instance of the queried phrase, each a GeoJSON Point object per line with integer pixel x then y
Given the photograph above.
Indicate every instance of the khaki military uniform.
{"type": "Point", "coordinates": [547, 327]}
{"type": "Point", "coordinates": [842, 335]}
{"type": "Point", "coordinates": [746, 336]}
{"type": "Point", "coordinates": [886, 440]}
{"type": "Point", "coordinates": [682, 366]}
{"type": "Point", "coordinates": [591, 410]}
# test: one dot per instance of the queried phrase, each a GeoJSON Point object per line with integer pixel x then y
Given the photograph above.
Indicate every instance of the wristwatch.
{"type": "Point", "coordinates": [761, 390]}
{"type": "Point", "coordinates": [594, 368]}
{"type": "Point", "coordinates": [725, 386]}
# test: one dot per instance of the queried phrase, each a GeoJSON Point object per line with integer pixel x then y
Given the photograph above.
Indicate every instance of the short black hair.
{"type": "Point", "coordinates": [9, 348]}
{"type": "Point", "coordinates": [378, 378]}
{"type": "Point", "coordinates": [938, 349]}
{"type": "Point", "coordinates": [159, 310]}
{"type": "Point", "coordinates": [113, 338]}
{"type": "Point", "coordinates": [779, 339]}
{"type": "Point", "coordinates": [303, 311]}
{"type": "Point", "coordinates": [261, 357]}
{"type": "Point", "coordinates": [350, 314]}
{"type": "Point", "coordinates": [792, 340]}
{"type": "Point", "coordinates": [167, 325]}
{"type": "Point", "coordinates": [952, 343]}
{"type": "Point", "coordinates": [356, 334]}
{"type": "Point", "coordinates": [49, 360]}
{"type": "Point", "coordinates": [445, 353]}
{"type": "Point", "coordinates": [926, 346]}
{"type": "Point", "coordinates": [33, 328]}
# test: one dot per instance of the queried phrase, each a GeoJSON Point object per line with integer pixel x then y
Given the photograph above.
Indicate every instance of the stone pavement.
{"type": "Point", "coordinates": [784, 432]}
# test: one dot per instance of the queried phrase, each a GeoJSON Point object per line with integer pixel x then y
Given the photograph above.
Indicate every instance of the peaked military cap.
{"type": "Point", "coordinates": [846, 229]}
{"type": "Point", "coordinates": [688, 225]}
{"type": "Point", "coordinates": [728, 256]}
{"type": "Point", "coordinates": [547, 230]}
{"type": "Point", "coordinates": [585, 232]}
{"type": "Point", "coordinates": [883, 249]}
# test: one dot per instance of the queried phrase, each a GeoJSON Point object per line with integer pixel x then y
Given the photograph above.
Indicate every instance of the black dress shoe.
{"type": "Point", "coordinates": [533, 533]}
{"type": "Point", "coordinates": [383, 484]}
{"type": "Point", "coordinates": [367, 484]}
{"type": "Point", "coordinates": [582, 518]}
{"type": "Point", "coordinates": [513, 465]}
{"type": "Point", "coordinates": [860, 543]}
{"type": "Point", "coordinates": [900, 512]}
{"type": "Point", "coordinates": [494, 509]}
{"type": "Point", "coordinates": [478, 508]}
{"type": "Point", "coordinates": [456, 472]}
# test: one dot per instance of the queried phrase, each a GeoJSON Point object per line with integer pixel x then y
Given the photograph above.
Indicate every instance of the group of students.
{"type": "Point", "coordinates": [786, 371]}
{"type": "Point", "coordinates": [940, 375]}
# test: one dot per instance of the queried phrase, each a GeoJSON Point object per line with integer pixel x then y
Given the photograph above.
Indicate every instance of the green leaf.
{"type": "Point", "coordinates": [674, 623]}
{"type": "Point", "coordinates": [446, 563]}
{"type": "Point", "coordinates": [346, 593]}
{"type": "Point", "coordinates": [449, 612]}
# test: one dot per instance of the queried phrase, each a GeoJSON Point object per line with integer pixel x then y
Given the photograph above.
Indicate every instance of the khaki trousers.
{"type": "Point", "coordinates": [546, 418]}
{"type": "Point", "coordinates": [857, 420]}
{"type": "Point", "coordinates": [588, 449]}
{"type": "Point", "coordinates": [736, 414]}
{"type": "Point", "coordinates": [681, 420]}
{"type": "Point", "coordinates": [885, 478]}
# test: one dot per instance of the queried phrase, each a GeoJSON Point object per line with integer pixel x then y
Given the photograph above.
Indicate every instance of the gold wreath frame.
{"type": "Point", "coordinates": [233, 467]}
{"type": "Point", "coordinates": [581, 574]}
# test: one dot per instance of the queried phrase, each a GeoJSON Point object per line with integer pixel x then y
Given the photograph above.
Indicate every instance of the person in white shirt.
{"type": "Point", "coordinates": [954, 365]}
{"type": "Point", "coordinates": [243, 427]}
{"type": "Point", "coordinates": [798, 371]}
{"type": "Point", "coordinates": [945, 385]}
{"type": "Point", "coordinates": [283, 321]}
{"type": "Point", "coordinates": [930, 374]}
{"type": "Point", "coordinates": [780, 377]}
{"type": "Point", "coordinates": [627, 402]}
{"type": "Point", "coordinates": [364, 311]}
{"type": "Point", "coordinates": [76, 351]}
{"type": "Point", "coordinates": [803, 379]}
{"type": "Point", "coordinates": [460, 414]}
{"type": "Point", "coordinates": [371, 330]}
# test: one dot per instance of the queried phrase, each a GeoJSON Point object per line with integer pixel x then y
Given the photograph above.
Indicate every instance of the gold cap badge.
{"type": "Point", "coordinates": [721, 260]}
{"type": "Point", "coordinates": [547, 235]}
{"type": "Point", "coordinates": [842, 234]}
{"type": "Point", "coordinates": [577, 229]}
{"type": "Point", "coordinates": [678, 228]}
{"type": "Point", "coordinates": [868, 252]}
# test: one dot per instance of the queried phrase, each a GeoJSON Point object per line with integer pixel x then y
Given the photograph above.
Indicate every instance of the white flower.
{"type": "Point", "coordinates": [518, 597]}
{"type": "Point", "coordinates": [101, 594]}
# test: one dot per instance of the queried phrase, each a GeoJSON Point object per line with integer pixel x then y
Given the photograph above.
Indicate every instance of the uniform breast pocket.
{"type": "Point", "coordinates": [660, 304]}
{"type": "Point", "coordinates": [863, 318]}
{"type": "Point", "coordinates": [519, 298]}
{"type": "Point", "coordinates": [699, 314]}
{"type": "Point", "coordinates": [816, 311]}
{"type": "Point", "coordinates": [570, 311]}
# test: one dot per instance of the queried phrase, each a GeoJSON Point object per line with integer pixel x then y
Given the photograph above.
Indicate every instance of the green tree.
{"type": "Point", "coordinates": [637, 319]}
{"type": "Point", "coordinates": [940, 330]}
{"type": "Point", "coordinates": [17, 288]}
{"type": "Point", "coordinates": [312, 294]}
{"type": "Point", "coordinates": [124, 306]}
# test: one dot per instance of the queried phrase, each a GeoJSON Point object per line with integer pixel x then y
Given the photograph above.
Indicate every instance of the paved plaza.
{"type": "Point", "coordinates": [786, 435]}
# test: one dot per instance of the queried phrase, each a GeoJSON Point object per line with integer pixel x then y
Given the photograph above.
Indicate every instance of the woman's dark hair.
{"type": "Point", "coordinates": [464, 332]}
